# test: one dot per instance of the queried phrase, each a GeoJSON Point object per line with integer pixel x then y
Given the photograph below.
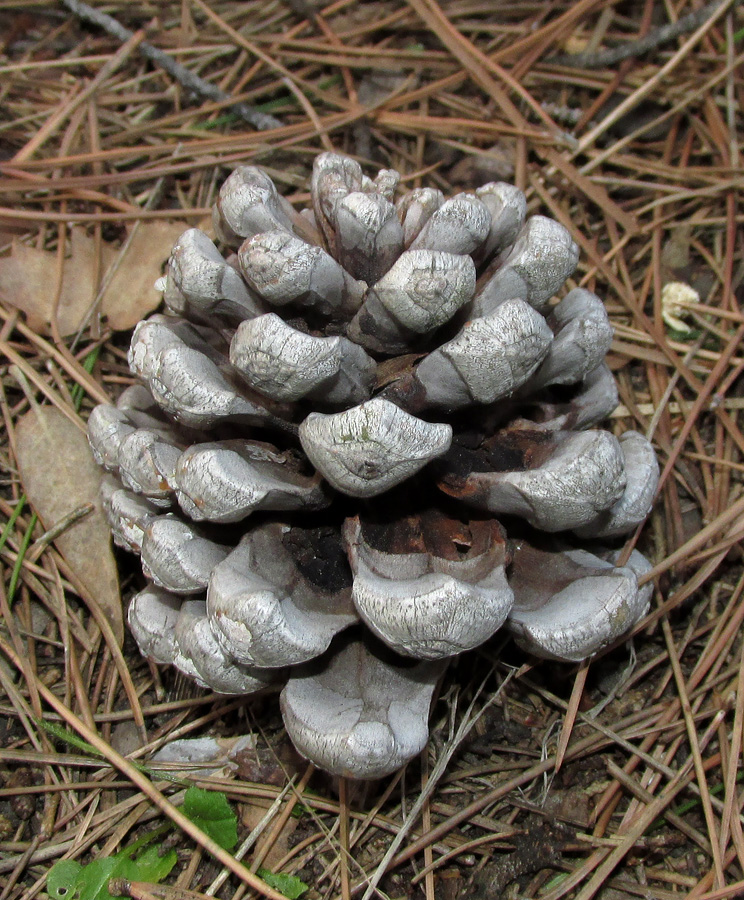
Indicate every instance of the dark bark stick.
{"type": "Point", "coordinates": [195, 84]}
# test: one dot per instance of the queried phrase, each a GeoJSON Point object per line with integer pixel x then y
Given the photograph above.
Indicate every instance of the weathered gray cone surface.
{"type": "Point", "coordinates": [427, 586]}
{"type": "Point", "coordinates": [358, 427]}
{"type": "Point", "coordinates": [569, 603]}
{"type": "Point", "coordinates": [360, 713]}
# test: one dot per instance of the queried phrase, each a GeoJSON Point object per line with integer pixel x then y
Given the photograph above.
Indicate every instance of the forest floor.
{"type": "Point", "coordinates": [616, 779]}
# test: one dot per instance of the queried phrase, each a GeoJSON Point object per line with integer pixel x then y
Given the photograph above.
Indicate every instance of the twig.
{"type": "Point", "coordinates": [571, 712]}
{"type": "Point", "coordinates": [645, 819]}
{"type": "Point", "coordinates": [40, 544]}
{"type": "Point", "coordinates": [195, 84]}
{"type": "Point", "coordinates": [20, 866]}
{"type": "Point", "coordinates": [607, 58]}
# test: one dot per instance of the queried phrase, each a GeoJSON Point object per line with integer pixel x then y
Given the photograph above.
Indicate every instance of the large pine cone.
{"type": "Point", "coordinates": [329, 421]}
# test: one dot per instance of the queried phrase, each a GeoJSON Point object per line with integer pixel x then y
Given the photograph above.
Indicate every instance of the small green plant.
{"type": "Point", "coordinates": [210, 810]}
{"type": "Point", "coordinates": [69, 880]}
{"type": "Point", "coordinates": [213, 814]}
{"type": "Point", "coordinates": [143, 860]}
{"type": "Point", "coordinates": [289, 885]}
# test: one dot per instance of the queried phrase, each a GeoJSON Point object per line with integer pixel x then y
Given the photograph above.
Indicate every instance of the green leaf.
{"type": "Point", "coordinates": [691, 334]}
{"type": "Point", "coordinates": [212, 813]}
{"type": "Point", "coordinates": [62, 878]}
{"type": "Point", "coordinates": [289, 885]}
{"type": "Point", "coordinates": [92, 882]}
{"type": "Point", "coordinates": [554, 882]}
{"type": "Point", "coordinates": [68, 880]}
{"type": "Point", "coordinates": [16, 573]}
{"type": "Point", "coordinates": [149, 866]}
{"type": "Point", "coordinates": [143, 841]}
{"type": "Point", "coordinates": [153, 867]}
{"type": "Point", "coordinates": [69, 737]}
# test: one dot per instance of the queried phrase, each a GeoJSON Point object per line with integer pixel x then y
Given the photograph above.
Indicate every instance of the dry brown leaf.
{"type": "Point", "coordinates": [9, 232]}
{"type": "Point", "coordinates": [28, 278]}
{"type": "Point", "coordinates": [131, 293]}
{"type": "Point", "coordinates": [250, 816]}
{"type": "Point", "coordinates": [494, 164]}
{"type": "Point", "coordinates": [59, 475]}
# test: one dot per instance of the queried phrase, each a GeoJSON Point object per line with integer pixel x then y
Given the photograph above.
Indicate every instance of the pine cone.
{"type": "Point", "coordinates": [351, 438]}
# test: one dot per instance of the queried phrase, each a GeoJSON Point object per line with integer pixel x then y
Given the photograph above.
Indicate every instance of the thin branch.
{"type": "Point", "coordinates": [195, 84]}
{"type": "Point", "coordinates": [608, 58]}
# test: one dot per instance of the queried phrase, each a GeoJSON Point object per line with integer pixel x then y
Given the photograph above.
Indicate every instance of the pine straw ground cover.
{"type": "Point", "coordinates": [617, 779]}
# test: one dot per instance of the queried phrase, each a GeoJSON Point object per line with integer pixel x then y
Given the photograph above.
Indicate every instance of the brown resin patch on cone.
{"type": "Point", "coordinates": [554, 480]}
{"type": "Point", "coordinates": [429, 586]}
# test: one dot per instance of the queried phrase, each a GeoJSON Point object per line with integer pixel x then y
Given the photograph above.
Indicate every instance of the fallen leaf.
{"type": "Point", "coordinates": [265, 764]}
{"type": "Point", "coordinates": [377, 86]}
{"type": "Point", "coordinates": [59, 476]}
{"type": "Point", "coordinates": [131, 293]}
{"type": "Point", "coordinates": [289, 885]}
{"type": "Point", "coordinates": [675, 254]}
{"type": "Point", "coordinates": [28, 278]}
{"type": "Point", "coordinates": [214, 754]}
{"type": "Point", "coordinates": [374, 88]}
{"type": "Point", "coordinates": [251, 816]}
{"type": "Point", "coordinates": [494, 164]}
{"type": "Point", "coordinates": [571, 805]}
{"type": "Point", "coordinates": [9, 232]}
